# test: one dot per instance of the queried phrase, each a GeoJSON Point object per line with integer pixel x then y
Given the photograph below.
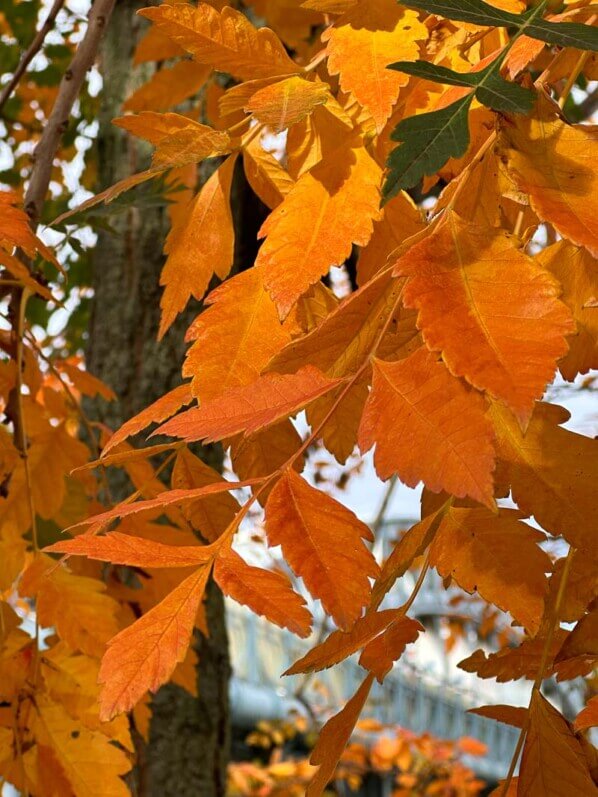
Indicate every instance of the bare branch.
{"type": "Point", "coordinates": [68, 91]}
{"type": "Point", "coordinates": [30, 53]}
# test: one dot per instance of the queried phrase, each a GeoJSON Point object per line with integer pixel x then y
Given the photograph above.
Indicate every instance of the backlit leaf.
{"type": "Point", "coordinates": [225, 40]}
{"type": "Point", "coordinates": [265, 592]}
{"type": "Point", "coordinates": [323, 543]}
{"type": "Point", "coordinates": [415, 417]}
{"type": "Point", "coordinates": [489, 308]}
{"type": "Point", "coordinates": [144, 655]}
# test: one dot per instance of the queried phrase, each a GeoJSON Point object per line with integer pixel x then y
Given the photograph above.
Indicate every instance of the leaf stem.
{"type": "Point", "coordinates": [553, 622]}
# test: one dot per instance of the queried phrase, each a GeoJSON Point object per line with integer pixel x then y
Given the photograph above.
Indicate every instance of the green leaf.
{"type": "Point", "coordinates": [489, 87]}
{"type": "Point", "coordinates": [429, 140]}
{"type": "Point", "coordinates": [474, 11]}
{"type": "Point", "coordinates": [502, 95]}
{"type": "Point", "coordinates": [566, 34]}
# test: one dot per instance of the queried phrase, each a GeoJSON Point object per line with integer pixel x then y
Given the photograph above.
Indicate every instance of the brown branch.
{"type": "Point", "coordinates": [68, 91]}
{"type": "Point", "coordinates": [30, 53]}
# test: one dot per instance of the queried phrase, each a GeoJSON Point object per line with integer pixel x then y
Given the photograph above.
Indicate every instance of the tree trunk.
{"type": "Point", "coordinates": [188, 747]}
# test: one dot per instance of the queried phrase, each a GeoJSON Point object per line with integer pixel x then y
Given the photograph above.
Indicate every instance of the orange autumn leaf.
{"type": "Point", "coordinates": [125, 549]}
{"type": "Point", "coordinates": [144, 655]}
{"type": "Point", "coordinates": [234, 337]}
{"type": "Point", "coordinates": [588, 716]}
{"type": "Point", "coordinates": [334, 737]}
{"type": "Point", "coordinates": [286, 102]}
{"type": "Point", "coordinates": [265, 592]}
{"type": "Point", "coordinates": [168, 87]}
{"type": "Point", "coordinates": [336, 211]}
{"type": "Point", "coordinates": [251, 407]}
{"type": "Point", "coordinates": [552, 762]}
{"type": "Point", "coordinates": [211, 514]}
{"type": "Point", "coordinates": [510, 664]}
{"type": "Point", "coordinates": [341, 644]}
{"type": "Point", "coordinates": [178, 139]}
{"type": "Point", "coordinates": [379, 655]}
{"type": "Point", "coordinates": [161, 409]}
{"type": "Point", "coordinates": [224, 40]}
{"type": "Point", "coordinates": [323, 543]}
{"type": "Point", "coordinates": [552, 471]}
{"type": "Point", "coordinates": [363, 42]}
{"type": "Point", "coordinates": [489, 308]}
{"type": "Point", "coordinates": [553, 162]}
{"type": "Point", "coordinates": [475, 548]}
{"type": "Point", "coordinates": [509, 715]}
{"type": "Point", "coordinates": [577, 272]}
{"type": "Point", "coordinates": [163, 500]}
{"type": "Point", "coordinates": [265, 174]}
{"type": "Point", "coordinates": [200, 245]}
{"type": "Point", "coordinates": [415, 415]}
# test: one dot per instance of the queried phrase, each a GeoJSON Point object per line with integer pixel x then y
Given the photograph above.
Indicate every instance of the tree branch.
{"type": "Point", "coordinates": [68, 91]}
{"type": "Point", "coordinates": [30, 53]}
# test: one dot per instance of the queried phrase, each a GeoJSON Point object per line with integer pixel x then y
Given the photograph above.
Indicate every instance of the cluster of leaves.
{"type": "Point", "coordinates": [417, 764]}
{"type": "Point", "coordinates": [439, 361]}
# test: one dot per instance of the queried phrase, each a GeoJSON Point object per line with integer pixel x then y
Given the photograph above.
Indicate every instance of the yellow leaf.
{"type": "Point", "coordinates": [168, 87]}
{"type": "Point", "coordinates": [77, 606]}
{"type": "Point", "coordinates": [226, 41]}
{"type": "Point", "coordinates": [265, 175]}
{"type": "Point", "coordinates": [361, 44]}
{"type": "Point", "coordinates": [201, 245]}
{"type": "Point", "coordinates": [286, 102]}
{"type": "Point", "coordinates": [82, 754]}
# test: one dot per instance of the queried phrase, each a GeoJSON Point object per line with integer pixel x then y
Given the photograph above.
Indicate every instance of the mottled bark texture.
{"type": "Point", "coordinates": [189, 738]}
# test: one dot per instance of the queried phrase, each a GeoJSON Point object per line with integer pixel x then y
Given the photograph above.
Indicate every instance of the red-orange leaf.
{"type": "Point", "coordinates": [334, 737]}
{"type": "Point", "coordinates": [496, 555]}
{"type": "Point", "coordinates": [145, 654]}
{"type": "Point", "coordinates": [265, 592]}
{"type": "Point", "coordinates": [490, 309]}
{"type": "Point", "coordinates": [249, 408]}
{"type": "Point", "coordinates": [379, 655]}
{"type": "Point", "coordinates": [124, 549]}
{"type": "Point", "coordinates": [161, 409]}
{"type": "Point", "coordinates": [165, 499]}
{"type": "Point", "coordinates": [428, 426]}
{"type": "Point", "coordinates": [322, 542]}
{"type": "Point", "coordinates": [341, 644]}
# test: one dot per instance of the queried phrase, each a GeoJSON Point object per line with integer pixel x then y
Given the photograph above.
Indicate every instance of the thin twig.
{"type": "Point", "coordinates": [30, 53]}
{"type": "Point", "coordinates": [553, 622]}
{"type": "Point", "coordinates": [68, 91]}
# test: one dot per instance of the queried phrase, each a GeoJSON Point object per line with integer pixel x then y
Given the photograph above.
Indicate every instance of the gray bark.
{"type": "Point", "coordinates": [189, 738]}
